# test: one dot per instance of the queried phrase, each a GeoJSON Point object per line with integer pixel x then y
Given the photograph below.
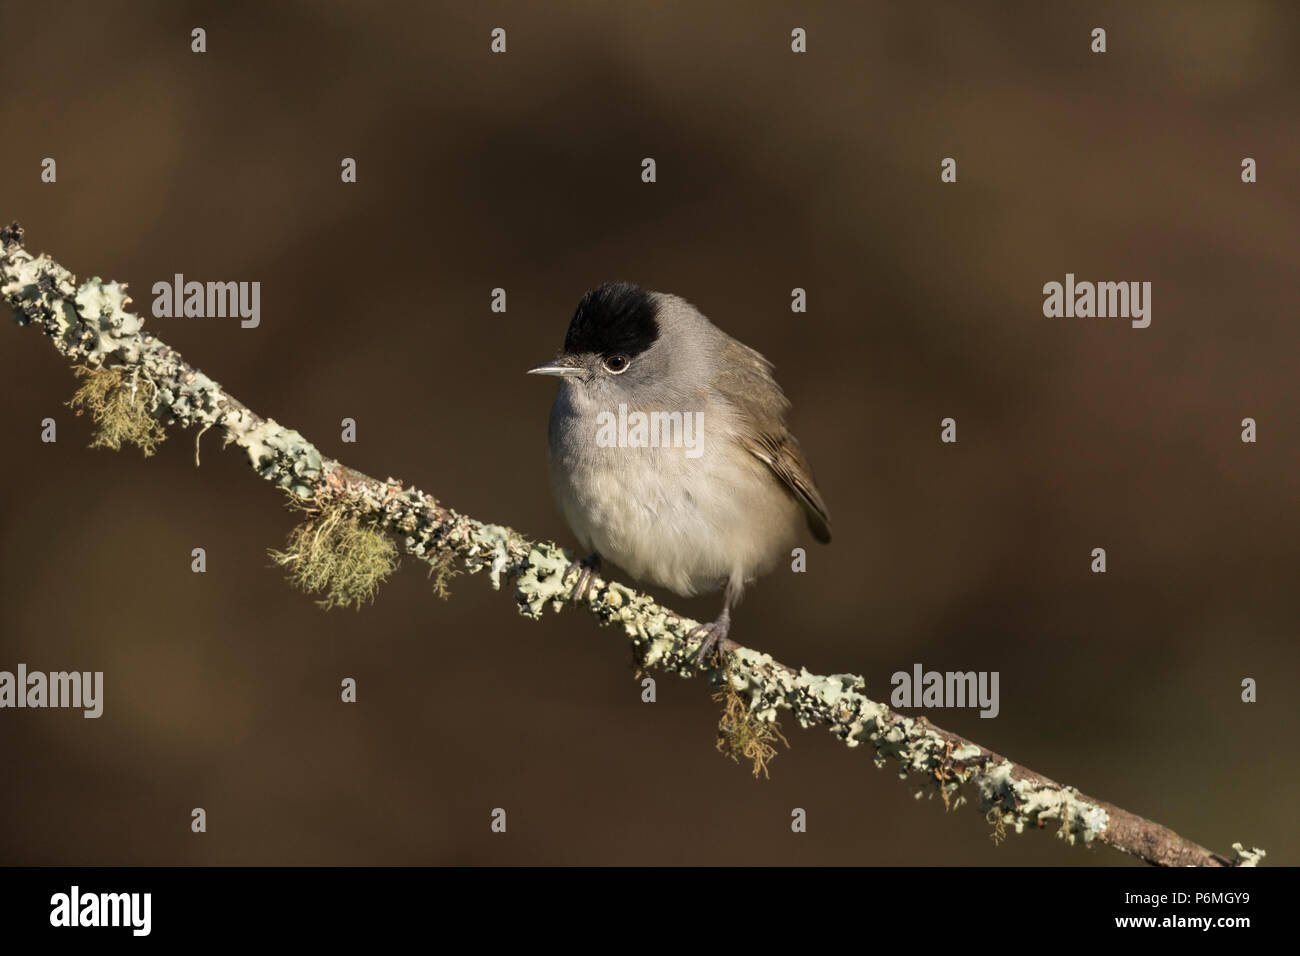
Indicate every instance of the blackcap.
{"type": "Point", "coordinates": [669, 453]}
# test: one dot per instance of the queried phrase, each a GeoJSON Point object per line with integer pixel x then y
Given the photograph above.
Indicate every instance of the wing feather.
{"type": "Point", "coordinates": [746, 375]}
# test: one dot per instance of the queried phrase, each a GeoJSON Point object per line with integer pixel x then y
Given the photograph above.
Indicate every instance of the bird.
{"type": "Point", "coordinates": [669, 453]}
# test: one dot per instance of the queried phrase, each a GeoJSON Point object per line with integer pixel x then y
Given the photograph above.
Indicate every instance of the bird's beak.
{"type": "Point", "coordinates": [559, 367]}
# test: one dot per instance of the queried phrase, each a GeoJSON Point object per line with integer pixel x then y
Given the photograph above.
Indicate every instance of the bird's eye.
{"type": "Point", "coordinates": [616, 364]}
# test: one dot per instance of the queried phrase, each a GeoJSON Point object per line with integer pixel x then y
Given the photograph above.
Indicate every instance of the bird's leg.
{"type": "Point", "coordinates": [587, 568]}
{"type": "Point", "coordinates": [712, 634]}
{"type": "Point", "coordinates": [716, 632]}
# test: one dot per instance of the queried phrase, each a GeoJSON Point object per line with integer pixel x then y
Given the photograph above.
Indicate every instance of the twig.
{"type": "Point", "coordinates": [89, 324]}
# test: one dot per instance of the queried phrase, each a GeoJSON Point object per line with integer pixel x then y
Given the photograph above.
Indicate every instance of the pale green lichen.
{"type": "Point", "coordinates": [119, 408]}
{"type": "Point", "coordinates": [190, 398]}
{"type": "Point", "coordinates": [742, 733]}
{"type": "Point", "coordinates": [280, 455]}
{"type": "Point", "coordinates": [112, 331]}
{"type": "Point", "coordinates": [541, 581]}
{"type": "Point", "coordinates": [839, 702]}
{"type": "Point", "coordinates": [1021, 802]}
{"type": "Point", "coordinates": [441, 570]}
{"type": "Point", "coordinates": [488, 546]}
{"type": "Point", "coordinates": [40, 290]}
{"type": "Point", "coordinates": [1252, 857]}
{"type": "Point", "coordinates": [332, 553]}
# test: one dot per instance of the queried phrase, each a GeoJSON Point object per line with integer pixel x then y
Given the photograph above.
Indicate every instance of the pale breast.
{"type": "Point", "coordinates": [684, 522]}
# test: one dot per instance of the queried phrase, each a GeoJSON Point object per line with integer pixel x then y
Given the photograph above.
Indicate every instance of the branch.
{"type": "Point", "coordinates": [89, 325]}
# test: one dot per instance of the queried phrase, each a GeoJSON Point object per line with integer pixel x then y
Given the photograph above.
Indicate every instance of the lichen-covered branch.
{"type": "Point", "coordinates": [89, 324]}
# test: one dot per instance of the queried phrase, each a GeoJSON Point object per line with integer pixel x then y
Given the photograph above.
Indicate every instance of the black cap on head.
{"type": "Point", "coordinates": [615, 318]}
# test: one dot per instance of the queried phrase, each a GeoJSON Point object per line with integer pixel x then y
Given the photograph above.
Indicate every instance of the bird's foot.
{"type": "Point", "coordinates": [713, 634]}
{"type": "Point", "coordinates": [587, 568]}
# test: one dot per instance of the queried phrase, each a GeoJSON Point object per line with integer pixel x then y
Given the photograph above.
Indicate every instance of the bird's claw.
{"type": "Point", "coordinates": [586, 568]}
{"type": "Point", "coordinates": [711, 647]}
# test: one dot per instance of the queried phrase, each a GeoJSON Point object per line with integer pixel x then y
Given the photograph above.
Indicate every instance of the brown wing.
{"type": "Point", "coordinates": [783, 455]}
{"type": "Point", "coordinates": [747, 383]}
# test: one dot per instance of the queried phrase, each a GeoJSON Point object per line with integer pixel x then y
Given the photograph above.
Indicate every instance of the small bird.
{"type": "Point", "coordinates": [669, 453]}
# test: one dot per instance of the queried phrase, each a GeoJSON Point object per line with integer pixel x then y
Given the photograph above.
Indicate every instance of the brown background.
{"type": "Point", "coordinates": [775, 171]}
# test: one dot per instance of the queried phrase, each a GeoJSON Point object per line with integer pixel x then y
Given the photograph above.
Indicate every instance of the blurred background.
{"type": "Point", "coordinates": [775, 171]}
